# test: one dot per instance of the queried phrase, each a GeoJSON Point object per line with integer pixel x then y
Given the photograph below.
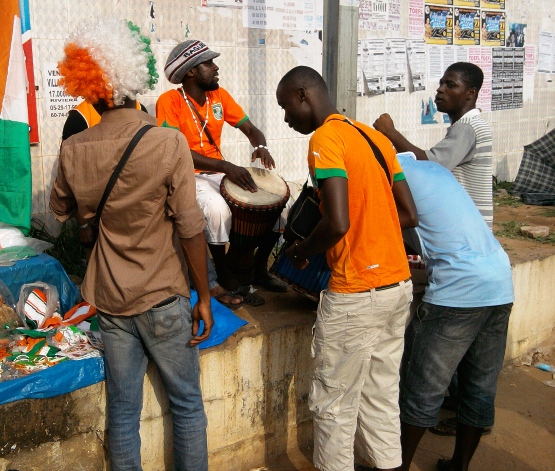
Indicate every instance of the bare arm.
{"type": "Point", "coordinates": [238, 175]}
{"type": "Point", "coordinates": [332, 227]}
{"type": "Point", "coordinates": [385, 125]}
{"type": "Point", "coordinates": [406, 209]}
{"type": "Point", "coordinates": [256, 138]}
{"type": "Point", "coordinates": [194, 249]}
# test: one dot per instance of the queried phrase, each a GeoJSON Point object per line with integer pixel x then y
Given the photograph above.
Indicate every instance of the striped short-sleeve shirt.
{"type": "Point", "coordinates": [466, 150]}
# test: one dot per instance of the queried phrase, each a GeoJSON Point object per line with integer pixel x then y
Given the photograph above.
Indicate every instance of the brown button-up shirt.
{"type": "Point", "coordinates": [137, 261]}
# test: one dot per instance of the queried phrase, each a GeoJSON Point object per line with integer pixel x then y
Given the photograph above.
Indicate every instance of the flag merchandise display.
{"type": "Point", "coordinates": [15, 154]}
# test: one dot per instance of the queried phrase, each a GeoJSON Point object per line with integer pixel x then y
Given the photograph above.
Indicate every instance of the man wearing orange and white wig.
{"type": "Point", "coordinates": [137, 274]}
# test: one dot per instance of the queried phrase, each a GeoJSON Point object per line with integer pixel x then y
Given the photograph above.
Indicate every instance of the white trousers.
{"type": "Point", "coordinates": [217, 212]}
{"type": "Point", "coordinates": [215, 209]}
{"type": "Point", "coordinates": [356, 349]}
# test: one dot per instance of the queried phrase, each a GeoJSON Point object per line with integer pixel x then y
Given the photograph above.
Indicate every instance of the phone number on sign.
{"type": "Point", "coordinates": [58, 115]}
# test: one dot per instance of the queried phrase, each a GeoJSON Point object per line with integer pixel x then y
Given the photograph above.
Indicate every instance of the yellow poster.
{"type": "Point", "coordinates": [493, 4]}
{"type": "Point", "coordinates": [440, 2]}
{"type": "Point", "coordinates": [438, 24]}
{"type": "Point", "coordinates": [466, 3]}
{"type": "Point", "coordinates": [492, 30]}
{"type": "Point", "coordinates": [466, 29]}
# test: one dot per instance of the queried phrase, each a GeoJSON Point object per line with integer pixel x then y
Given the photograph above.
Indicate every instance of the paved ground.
{"type": "Point", "coordinates": [523, 438]}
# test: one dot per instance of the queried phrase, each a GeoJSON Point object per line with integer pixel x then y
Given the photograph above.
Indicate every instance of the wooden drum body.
{"type": "Point", "coordinates": [254, 214]}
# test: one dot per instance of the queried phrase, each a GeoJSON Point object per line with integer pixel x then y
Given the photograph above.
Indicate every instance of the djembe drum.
{"type": "Point", "coordinates": [254, 214]}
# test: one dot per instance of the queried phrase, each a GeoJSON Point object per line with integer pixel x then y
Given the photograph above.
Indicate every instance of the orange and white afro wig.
{"type": "Point", "coordinates": [107, 60]}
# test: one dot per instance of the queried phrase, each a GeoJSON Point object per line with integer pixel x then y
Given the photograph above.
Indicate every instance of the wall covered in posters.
{"type": "Point", "coordinates": [255, 56]}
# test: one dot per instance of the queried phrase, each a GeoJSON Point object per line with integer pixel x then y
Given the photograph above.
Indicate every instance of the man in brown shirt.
{"type": "Point", "coordinates": [151, 229]}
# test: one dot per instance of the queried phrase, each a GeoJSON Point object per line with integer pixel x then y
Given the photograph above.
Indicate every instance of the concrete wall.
{"type": "Point", "coordinates": [255, 389]}
{"type": "Point", "coordinates": [251, 63]}
{"type": "Point", "coordinates": [532, 320]}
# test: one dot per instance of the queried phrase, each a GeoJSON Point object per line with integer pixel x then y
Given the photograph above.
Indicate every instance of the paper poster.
{"type": "Point", "coordinates": [438, 24]}
{"type": "Point", "coordinates": [486, 64]}
{"type": "Point", "coordinates": [507, 78]}
{"type": "Point", "coordinates": [223, 3]}
{"type": "Point", "coordinates": [380, 15]}
{"type": "Point", "coordinates": [494, 4]}
{"type": "Point", "coordinates": [466, 30]}
{"type": "Point", "coordinates": [395, 65]}
{"type": "Point", "coordinates": [493, 28]}
{"type": "Point", "coordinates": [515, 35]}
{"type": "Point", "coordinates": [529, 72]}
{"type": "Point", "coordinates": [416, 13]}
{"type": "Point", "coordinates": [297, 15]}
{"type": "Point", "coordinates": [467, 3]}
{"type": "Point", "coordinates": [57, 102]}
{"type": "Point", "coordinates": [439, 2]}
{"type": "Point", "coordinates": [373, 65]}
{"type": "Point", "coordinates": [545, 52]}
{"type": "Point", "coordinates": [416, 55]}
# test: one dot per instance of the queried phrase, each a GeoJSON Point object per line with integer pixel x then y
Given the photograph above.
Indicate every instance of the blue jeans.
{"type": "Point", "coordinates": [161, 334]}
{"type": "Point", "coordinates": [441, 340]}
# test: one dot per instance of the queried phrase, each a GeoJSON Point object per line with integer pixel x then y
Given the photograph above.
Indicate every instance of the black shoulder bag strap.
{"type": "Point", "coordinates": [375, 149]}
{"type": "Point", "coordinates": [201, 122]}
{"type": "Point", "coordinates": [115, 175]}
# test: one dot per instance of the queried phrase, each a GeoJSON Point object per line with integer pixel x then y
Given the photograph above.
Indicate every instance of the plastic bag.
{"type": "Point", "coordinates": [37, 302]}
{"type": "Point", "coordinates": [9, 318]}
{"type": "Point", "coordinates": [15, 246]}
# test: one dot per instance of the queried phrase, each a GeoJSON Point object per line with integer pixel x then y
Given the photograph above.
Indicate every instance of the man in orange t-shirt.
{"type": "Point", "coordinates": [359, 331]}
{"type": "Point", "coordinates": [199, 109]}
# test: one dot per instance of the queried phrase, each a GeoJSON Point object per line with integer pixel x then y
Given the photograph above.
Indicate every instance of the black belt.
{"type": "Point", "coordinates": [165, 302]}
{"type": "Point", "coordinates": [392, 285]}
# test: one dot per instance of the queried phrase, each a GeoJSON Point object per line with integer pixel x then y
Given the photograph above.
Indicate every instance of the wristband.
{"type": "Point", "coordinates": [261, 146]}
{"type": "Point", "coordinates": [84, 226]}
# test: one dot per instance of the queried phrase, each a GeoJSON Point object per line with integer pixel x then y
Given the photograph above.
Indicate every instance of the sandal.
{"type": "Point", "coordinates": [448, 428]}
{"type": "Point", "coordinates": [271, 284]}
{"type": "Point", "coordinates": [231, 294]}
{"type": "Point", "coordinates": [253, 299]}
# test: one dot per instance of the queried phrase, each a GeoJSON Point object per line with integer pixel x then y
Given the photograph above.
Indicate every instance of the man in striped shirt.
{"type": "Point", "coordinates": [466, 149]}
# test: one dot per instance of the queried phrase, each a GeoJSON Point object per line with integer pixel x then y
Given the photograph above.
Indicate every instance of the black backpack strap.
{"type": "Point", "coordinates": [375, 149]}
{"type": "Point", "coordinates": [119, 167]}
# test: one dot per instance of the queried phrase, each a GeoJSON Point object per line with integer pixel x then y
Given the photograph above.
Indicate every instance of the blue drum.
{"type": "Point", "coordinates": [310, 281]}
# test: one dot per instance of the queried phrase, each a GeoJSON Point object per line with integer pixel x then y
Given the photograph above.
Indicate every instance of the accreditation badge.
{"type": "Point", "coordinates": [218, 111]}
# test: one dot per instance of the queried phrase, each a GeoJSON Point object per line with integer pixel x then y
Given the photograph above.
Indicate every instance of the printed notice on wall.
{"type": "Point", "coordinates": [545, 52]}
{"type": "Point", "coordinates": [438, 24]}
{"type": "Point", "coordinates": [498, 4]}
{"type": "Point", "coordinates": [467, 26]}
{"type": "Point", "coordinates": [416, 13]}
{"type": "Point", "coordinates": [380, 15]}
{"type": "Point", "coordinates": [493, 28]}
{"type": "Point", "coordinates": [416, 54]}
{"type": "Point", "coordinates": [296, 15]}
{"type": "Point", "coordinates": [372, 52]}
{"type": "Point", "coordinates": [395, 65]}
{"type": "Point", "coordinates": [57, 102]}
{"type": "Point", "coordinates": [529, 69]}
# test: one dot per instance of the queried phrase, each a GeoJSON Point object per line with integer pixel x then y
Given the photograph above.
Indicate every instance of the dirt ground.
{"type": "Point", "coordinates": [522, 249]}
{"type": "Point", "coordinates": [523, 438]}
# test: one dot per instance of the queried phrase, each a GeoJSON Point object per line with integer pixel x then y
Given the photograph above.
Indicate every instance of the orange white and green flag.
{"type": "Point", "coordinates": [15, 154]}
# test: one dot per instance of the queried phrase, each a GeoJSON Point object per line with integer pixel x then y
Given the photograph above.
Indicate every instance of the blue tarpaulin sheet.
{"type": "Point", "coordinates": [40, 268]}
{"type": "Point", "coordinates": [75, 374]}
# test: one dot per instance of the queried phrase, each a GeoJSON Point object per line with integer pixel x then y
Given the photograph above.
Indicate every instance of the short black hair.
{"type": "Point", "coordinates": [471, 74]}
{"type": "Point", "coordinates": [303, 76]}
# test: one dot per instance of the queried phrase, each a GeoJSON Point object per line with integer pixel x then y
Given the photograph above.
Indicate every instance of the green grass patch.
{"type": "Point", "coordinates": [511, 230]}
{"type": "Point", "coordinates": [550, 213]}
{"type": "Point", "coordinates": [66, 247]}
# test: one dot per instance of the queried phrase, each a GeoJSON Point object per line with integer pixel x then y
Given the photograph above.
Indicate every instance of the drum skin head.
{"type": "Point", "coordinates": [271, 188]}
